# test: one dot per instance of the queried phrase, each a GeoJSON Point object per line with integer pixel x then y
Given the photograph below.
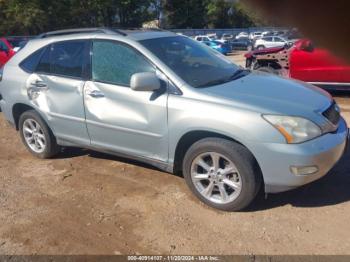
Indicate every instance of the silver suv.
{"type": "Point", "coordinates": [174, 103]}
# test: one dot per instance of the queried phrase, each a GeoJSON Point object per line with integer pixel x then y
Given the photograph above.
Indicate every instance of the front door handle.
{"type": "Point", "coordinates": [96, 94]}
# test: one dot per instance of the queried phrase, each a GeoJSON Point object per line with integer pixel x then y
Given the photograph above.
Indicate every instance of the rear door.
{"type": "Point", "coordinates": [57, 85]}
{"type": "Point", "coordinates": [118, 118]}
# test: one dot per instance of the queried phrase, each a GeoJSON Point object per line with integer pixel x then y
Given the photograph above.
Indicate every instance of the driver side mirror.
{"type": "Point", "coordinates": [146, 81]}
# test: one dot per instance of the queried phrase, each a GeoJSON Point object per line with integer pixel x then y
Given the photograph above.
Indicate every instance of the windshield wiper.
{"type": "Point", "coordinates": [236, 75]}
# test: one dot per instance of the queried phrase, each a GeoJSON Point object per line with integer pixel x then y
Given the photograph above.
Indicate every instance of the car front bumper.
{"type": "Point", "coordinates": [276, 160]}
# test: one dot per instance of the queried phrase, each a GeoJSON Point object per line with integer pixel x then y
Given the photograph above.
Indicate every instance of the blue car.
{"type": "Point", "coordinates": [219, 46]}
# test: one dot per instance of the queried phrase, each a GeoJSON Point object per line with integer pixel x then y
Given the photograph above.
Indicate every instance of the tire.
{"type": "Point", "coordinates": [260, 47]}
{"type": "Point", "coordinates": [245, 176]}
{"type": "Point", "coordinates": [41, 142]}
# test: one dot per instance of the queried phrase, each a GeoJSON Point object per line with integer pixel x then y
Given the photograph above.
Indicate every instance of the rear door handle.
{"type": "Point", "coordinates": [40, 85]}
{"type": "Point", "coordinates": [96, 94]}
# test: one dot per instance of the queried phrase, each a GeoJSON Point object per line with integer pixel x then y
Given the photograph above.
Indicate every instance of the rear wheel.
{"type": "Point", "coordinates": [260, 47]}
{"type": "Point", "coordinates": [37, 136]}
{"type": "Point", "coordinates": [222, 173]}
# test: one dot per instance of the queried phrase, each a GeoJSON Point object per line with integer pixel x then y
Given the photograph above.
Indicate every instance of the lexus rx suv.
{"type": "Point", "coordinates": [174, 103]}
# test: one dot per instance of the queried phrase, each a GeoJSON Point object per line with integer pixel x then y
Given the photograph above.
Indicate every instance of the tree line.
{"type": "Point", "coordinates": [30, 17]}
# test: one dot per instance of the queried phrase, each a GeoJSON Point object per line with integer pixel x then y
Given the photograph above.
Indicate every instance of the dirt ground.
{"type": "Point", "coordinates": [85, 202]}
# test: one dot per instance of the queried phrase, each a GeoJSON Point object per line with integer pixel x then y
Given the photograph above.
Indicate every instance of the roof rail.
{"type": "Point", "coordinates": [82, 30]}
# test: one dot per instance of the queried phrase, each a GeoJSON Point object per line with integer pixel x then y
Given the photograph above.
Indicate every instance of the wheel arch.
{"type": "Point", "coordinates": [19, 108]}
{"type": "Point", "coordinates": [191, 137]}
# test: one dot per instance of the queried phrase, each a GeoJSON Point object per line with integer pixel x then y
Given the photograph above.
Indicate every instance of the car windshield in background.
{"type": "Point", "coordinates": [194, 62]}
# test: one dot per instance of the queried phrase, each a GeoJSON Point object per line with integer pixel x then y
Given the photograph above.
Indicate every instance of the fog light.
{"type": "Point", "coordinates": [304, 170]}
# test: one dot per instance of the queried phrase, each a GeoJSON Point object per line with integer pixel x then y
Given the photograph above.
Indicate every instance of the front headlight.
{"type": "Point", "coordinates": [294, 129]}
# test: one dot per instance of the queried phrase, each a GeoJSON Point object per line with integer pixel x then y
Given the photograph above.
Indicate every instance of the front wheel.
{"type": "Point", "coordinates": [222, 173]}
{"type": "Point", "coordinates": [37, 136]}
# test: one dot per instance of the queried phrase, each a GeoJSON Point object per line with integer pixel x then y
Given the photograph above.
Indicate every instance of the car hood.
{"type": "Point", "coordinates": [266, 93]}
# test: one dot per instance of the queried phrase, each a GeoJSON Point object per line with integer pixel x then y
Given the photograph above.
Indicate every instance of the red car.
{"type": "Point", "coordinates": [318, 66]}
{"type": "Point", "coordinates": [6, 51]}
{"type": "Point", "coordinates": [304, 62]}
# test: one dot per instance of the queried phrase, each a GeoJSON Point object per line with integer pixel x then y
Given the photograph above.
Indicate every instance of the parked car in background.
{"type": "Point", "coordinates": [270, 41]}
{"type": "Point", "coordinates": [202, 38]}
{"type": "Point", "coordinates": [255, 35]}
{"type": "Point", "coordinates": [209, 38]}
{"type": "Point", "coordinates": [267, 33]}
{"type": "Point", "coordinates": [318, 66]}
{"type": "Point", "coordinates": [167, 100]}
{"type": "Point", "coordinates": [302, 61]}
{"type": "Point", "coordinates": [6, 51]}
{"type": "Point", "coordinates": [274, 60]}
{"type": "Point", "coordinates": [227, 37]}
{"type": "Point", "coordinates": [242, 43]}
{"type": "Point", "coordinates": [242, 35]}
{"type": "Point", "coordinates": [219, 46]}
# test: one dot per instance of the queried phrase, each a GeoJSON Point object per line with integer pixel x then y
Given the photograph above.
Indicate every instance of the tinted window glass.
{"type": "Point", "coordinates": [68, 58]}
{"type": "Point", "coordinates": [268, 39]}
{"type": "Point", "coordinates": [116, 63]}
{"type": "Point", "coordinates": [44, 65]}
{"type": "Point", "coordinates": [30, 63]}
{"type": "Point", "coordinates": [278, 39]}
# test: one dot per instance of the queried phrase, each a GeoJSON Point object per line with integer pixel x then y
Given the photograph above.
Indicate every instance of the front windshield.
{"type": "Point", "coordinates": [194, 62]}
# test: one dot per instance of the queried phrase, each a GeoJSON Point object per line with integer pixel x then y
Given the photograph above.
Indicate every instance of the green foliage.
{"type": "Point", "coordinates": [35, 16]}
{"type": "Point", "coordinates": [185, 13]}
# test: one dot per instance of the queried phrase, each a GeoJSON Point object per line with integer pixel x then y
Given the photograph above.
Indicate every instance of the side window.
{"type": "Point", "coordinates": [116, 63]}
{"type": "Point", "coordinates": [44, 64]}
{"type": "Point", "coordinates": [277, 39]}
{"type": "Point", "coordinates": [30, 63]}
{"type": "Point", "coordinates": [68, 58]}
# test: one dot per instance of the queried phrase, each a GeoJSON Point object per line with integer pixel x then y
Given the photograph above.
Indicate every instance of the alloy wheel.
{"type": "Point", "coordinates": [34, 135]}
{"type": "Point", "coordinates": [216, 177]}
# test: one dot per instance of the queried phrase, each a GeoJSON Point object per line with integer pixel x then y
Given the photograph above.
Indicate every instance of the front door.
{"type": "Point", "coordinates": [118, 118]}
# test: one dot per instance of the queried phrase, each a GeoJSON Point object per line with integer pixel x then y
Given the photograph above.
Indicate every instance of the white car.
{"type": "Point", "coordinates": [255, 35]}
{"type": "Point", "coordinates": [269, 41]}
{"type": "Point", "coordinates": [242, 35]}
{"type": "Point", "coordinates": [208, 38]}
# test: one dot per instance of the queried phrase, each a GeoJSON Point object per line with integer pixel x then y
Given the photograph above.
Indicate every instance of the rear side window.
{"type": "Point", "coordinates": [68, 58]}
{"type": "Point", "coordinates": [44, 64]}
{"type": "Point", "coordinates": [116, 63]}
{"type": "Point", "coordinates": [30, 63]}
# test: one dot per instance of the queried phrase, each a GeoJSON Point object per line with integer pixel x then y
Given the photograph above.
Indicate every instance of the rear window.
{"type": "Point", "coordinates": [30, 63]}
{"type": "Point", "coordinates": [44, 64]}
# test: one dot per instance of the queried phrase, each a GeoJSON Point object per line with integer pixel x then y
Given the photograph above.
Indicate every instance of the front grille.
{"type": "Point", "coordinates": [333, 114]}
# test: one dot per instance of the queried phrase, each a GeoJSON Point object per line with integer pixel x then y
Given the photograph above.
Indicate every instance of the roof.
{"type": "Point", "coordinates": [136, 34]}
